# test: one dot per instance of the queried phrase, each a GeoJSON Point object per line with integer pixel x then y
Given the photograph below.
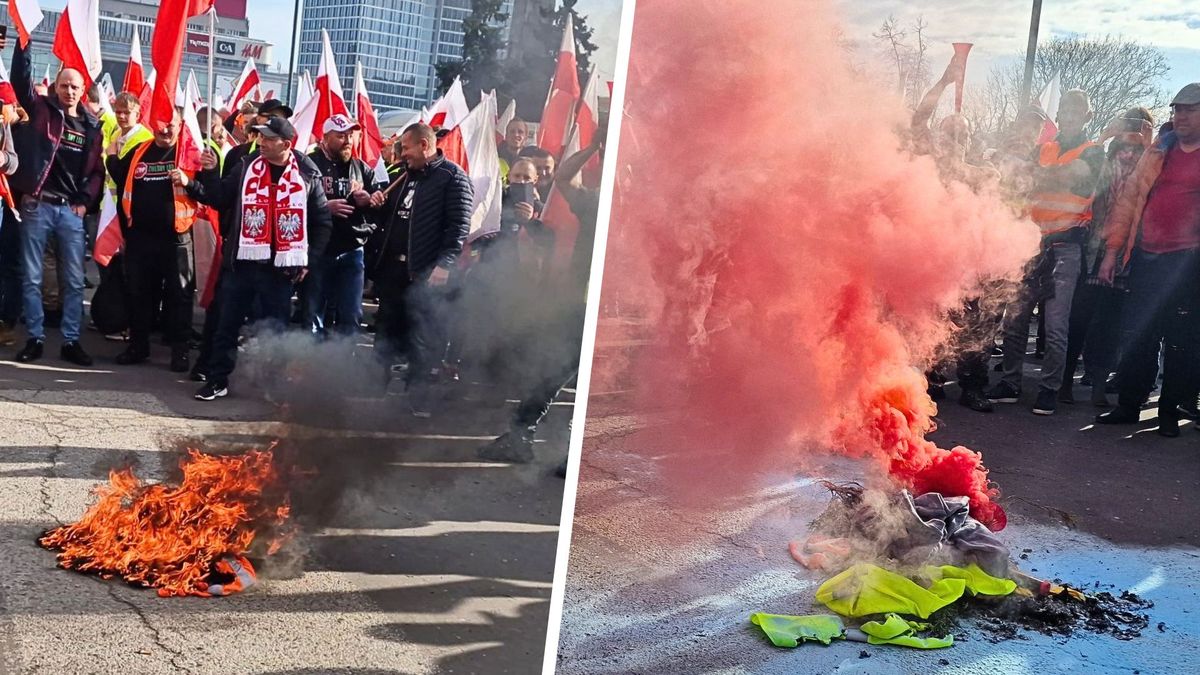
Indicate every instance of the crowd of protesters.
{"type": "Point", "coordinates": [307, 236]}
{"type": "Point", "coordinates": [1116, 281]}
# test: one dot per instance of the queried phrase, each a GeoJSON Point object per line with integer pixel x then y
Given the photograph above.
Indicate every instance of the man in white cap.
{"type": "Point", "coordinates": [334, 286]}
{"type": "Point", "coordinates": [1154, 229]}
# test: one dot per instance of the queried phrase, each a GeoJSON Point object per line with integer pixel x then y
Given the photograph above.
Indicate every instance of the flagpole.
{"type": "Point", "coordinates": [212, 48]}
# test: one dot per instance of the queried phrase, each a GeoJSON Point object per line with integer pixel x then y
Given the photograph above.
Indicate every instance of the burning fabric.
{"type": "Point", "coordinates": [186, 539]}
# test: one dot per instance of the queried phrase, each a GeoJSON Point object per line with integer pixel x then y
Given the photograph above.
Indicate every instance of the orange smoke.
{"type": "Point", "coordinates": [179, 539]}
{"type": "Point", "coordinates": [795, 262]}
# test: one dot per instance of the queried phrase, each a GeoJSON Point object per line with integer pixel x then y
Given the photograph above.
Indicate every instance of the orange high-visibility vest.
{"type": "Point", "coordinates": [185, 206]}
{"type": "Point", "coordinates": [1060, 211]}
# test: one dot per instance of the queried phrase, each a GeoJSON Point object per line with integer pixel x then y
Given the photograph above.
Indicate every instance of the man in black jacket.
{"type": "Point", "coordinates": [57, 182]}
{"type": "Point", "coordinates": [271, 238]}
{"type": "Point", "coordinates": [425, 221]}
{"type": "Point", "coordinates": [335, 280]}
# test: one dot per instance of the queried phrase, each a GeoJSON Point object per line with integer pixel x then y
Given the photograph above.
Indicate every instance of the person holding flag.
{"type": "Point", "coordinates": [157, 210]}
{"type": "Point", "coordinates": [335, 280]}
{"type": "Point", "coordinates": [59, 181]}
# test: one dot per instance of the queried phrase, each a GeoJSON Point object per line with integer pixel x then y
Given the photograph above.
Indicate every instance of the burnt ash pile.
{"type": "Point", "coordinates": [863, 525]}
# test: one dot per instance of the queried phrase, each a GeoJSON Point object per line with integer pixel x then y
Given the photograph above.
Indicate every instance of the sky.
{"type": "Point", "coordinates": [1000, 28]}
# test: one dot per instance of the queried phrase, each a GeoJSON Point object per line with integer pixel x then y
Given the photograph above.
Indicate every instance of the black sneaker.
{"type": "Point", "coordinates": [975, 400]}
{"type": "Point", "coordinates": [1003, 393]}
{"type": "Point", "coordinates": [211, 392]}
{"type": "Point", "coordinates": [73, 353]}
{"type": "Point", "coordinates": [508, 447]}
{"type": "Point", "coordinates": [1046, 402]}
{"type": "Point", "coordinates": [1119, 415]}
{"type": "Point", "coordinates": [32, 351]}
{"type": "Point", "coordinates": [132, 355]}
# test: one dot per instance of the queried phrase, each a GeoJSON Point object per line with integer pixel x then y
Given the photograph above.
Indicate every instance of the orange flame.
{"type": "Point", "coordinates": [174, 538]}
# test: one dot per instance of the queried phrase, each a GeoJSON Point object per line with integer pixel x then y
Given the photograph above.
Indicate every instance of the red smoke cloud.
{"type": "Point", "coordinates": [796, 263]}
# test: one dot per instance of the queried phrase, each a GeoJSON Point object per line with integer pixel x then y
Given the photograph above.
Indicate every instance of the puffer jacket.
{"type": "Point", "coordinates": [441, 219]}
{"type": "Point", "coordinates": [37, 140]}
{"type": "Point", "coordinates": [1125, 219]}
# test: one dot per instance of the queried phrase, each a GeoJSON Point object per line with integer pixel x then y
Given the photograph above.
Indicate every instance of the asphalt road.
{"type": "Point", "coordinates": [659, 586]}
{"type": "Point", "coordinates": [416, 557]}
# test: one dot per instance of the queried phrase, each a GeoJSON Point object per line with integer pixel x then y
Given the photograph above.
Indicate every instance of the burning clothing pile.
{"type": "Point", "coordinates": [924, 556]}
{"type": "Point", "coordinates": [187, 539]}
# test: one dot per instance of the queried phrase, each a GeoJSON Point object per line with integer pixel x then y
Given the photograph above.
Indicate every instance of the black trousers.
{"type": "Point", "coordinates": [160, 269]}
{"type": "Point", "coordinates": [411, 322]}
{"type": "Point", "coordinates": [559, 348]}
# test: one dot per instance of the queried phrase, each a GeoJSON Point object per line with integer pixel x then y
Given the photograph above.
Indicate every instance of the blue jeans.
{"type": "Point", "coordinates": [242, 285]}
{"type": "Point", "coordinates": [335, 283]}
{"type": "Point", "coordinates": [39, 221]}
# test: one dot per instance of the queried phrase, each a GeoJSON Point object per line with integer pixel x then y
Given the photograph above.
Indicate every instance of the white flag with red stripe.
{"type": "Point", "coordinates": [77, 40]}
{"type": "Point", "coordinates": [509, 114]}
{"type": "Point", "coordinates": [46, 77]}
{"type": "Point", "coordinates": [26, 17]}
{"type": "Point", "coordinates": [587, 124]}
{"type": "Point", "coordinates": [305, 113]}
{"type": "Point", "coordinates": [135, 73]}
{"type": "Point", "coordinates": [246, 84]}
{"type": "Point", "coordinates": [560, 100]}
{"type": "Point", "coordinates": [330, 100]}
{"type": "Point", "coordinates": [370, 145]}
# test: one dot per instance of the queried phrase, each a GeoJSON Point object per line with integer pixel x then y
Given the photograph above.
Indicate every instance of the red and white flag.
{"type": "Point", "coordinates": [77, 40]}
{"type": "Point", "coordinates": [509, 114]}
{"type": "Point", "coordinates": [144, 97]}
{"type": "Point", "coordinates": [135, 73]}
{"type": "Point", "coordinates": [26, 17]}
{"type": "Point", "coordinates": [109, 239]}
{"type": "Point", "coordinates": [46, 77]}
{"type": "Point", "coordinates": [195, 98]}
{"type": "Point", "coordinates": [370, 145]}
{"type": "Point", "coordinates": [560, 101]}
{"type": "Point", "coordinates": [166, 53]}
{"type": "Point", "coordinates": [305, 112]}
{"type": "Point", "coordinates": [587, 116]}
{"type": "Point", "coordinates": [246, 84]}
{"type": "Point", "coordinates": [330, 100]}
{"type": "Point", "coordinates": [448, 111]}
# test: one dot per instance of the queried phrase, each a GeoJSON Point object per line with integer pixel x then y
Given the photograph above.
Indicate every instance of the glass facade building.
{"type": "Point", "coordinates": [399, 42]}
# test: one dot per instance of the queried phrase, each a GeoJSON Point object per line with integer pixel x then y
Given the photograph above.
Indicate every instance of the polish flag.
{"type": "Point", "coordinates": [195, 98]}
{"type": "Point", "coordinates": [246, 84]}
{"type": "Point", "coordinates": [370, 145]}
{"type": "Point", "coordinates": [166, 53]}
{"type": "Point", "coordinates": [305, 112]}
{"type": "Point", "coordinates": [584, 130]}
{"type": "Point", "coordinates": [5, 191]}
{"type": "Point", "coordinates": [46, 77]}
{"type": "Point", "coordinates": [557, 214]}
{"type": "Point", "coordinates": [135, 73]}
{"type": "Point", "coordinates": [478, 132]}
{"type": "Point", "coordinates": [448, 111]}
{"type": "Point", "coordinates": [26, 17]}
{"type": "Point", "coordinates": [1049, 100]}
{"type": "Point", "coordinates": [108, 234]}
{"type": "Point", "coordinates": [107, 95]}
{"type": "Point", "coordinates": [560, 101]}
{"type": "Point", "coordinates": [77, 40]}
{"type": "Point", "coordinates": [144, 97]}
{"type": "Point", "coordinates": [330, 100]}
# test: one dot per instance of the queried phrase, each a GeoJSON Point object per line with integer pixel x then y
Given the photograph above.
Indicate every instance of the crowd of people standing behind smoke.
{"type": "Point", "coordinates": [306, 236]}
{"type": "Point", "coordinates": [1116, 281]}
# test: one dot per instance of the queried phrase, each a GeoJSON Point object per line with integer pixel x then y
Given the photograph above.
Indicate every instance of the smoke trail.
{"type": "Point", "coordinates": [796, 263]}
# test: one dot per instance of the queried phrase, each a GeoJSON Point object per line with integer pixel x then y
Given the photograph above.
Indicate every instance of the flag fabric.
{"type": "Point", "coordinates": [6, 194]}
{"type": "Point", "coordinates": [560, 101]}
{"type": "Point", "coordinates": [135, 73]}
{"type": "Point", "coordinates": [330, 100]}
{"type": "Point", "coordinates": [448, 111]}
{"type": "Point", "coordinates": [370, 145]}
{"type": "Point", "coordinates": [166, 53]}
{"type": "Point", "coordinates": [77, 40]}
{"type": "Point", "coordinates": [587, 124]}
{"type": "Point", "coordinates": [305, 112]}
{"type": "Point", "coordinates": [245, 85]}
{"type": "Point", "coordinates": [109, 239]}
{"type": "Point", "coordinates": [144, 97]}
{"type": "Point", "coordinates": [1049, 100]}
{"type": "Point", "coordinates": [478, 132]}
{"type": "Point", "coordinates": [26, 17]}
{"type": "Point", "coordinates": [46, 77]}
{"type": "Point", "coordinates": [509, 114]}
{"type": "Point", "coordinates": [195, 98]}
{"type": "Point", "coordinates": [191, 140]}
{"type": "Point", "coordinates": [206, 242]}
{"type": "Point", "coordinates": [106, 92]}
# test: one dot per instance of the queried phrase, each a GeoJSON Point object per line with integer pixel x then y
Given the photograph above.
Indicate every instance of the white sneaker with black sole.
{"type": "Point", "coordinates": [211, 392]}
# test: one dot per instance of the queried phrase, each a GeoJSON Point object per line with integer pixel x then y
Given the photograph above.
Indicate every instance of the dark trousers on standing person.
{"type": "Point", "coordinates": [1163, 306]}
{"type": "Point", "coordinates": [160, 268]}
{"type": "Point", "coordinates": [243, 286]}
{"type": "Point", "coordinates": [10, 271]}
{"type": "Point", "coordinates": [212, 319]}
{"type": "Point", "coordinates": [1094, 333]}
{"type": "Point", "coordinates": [333, 292]}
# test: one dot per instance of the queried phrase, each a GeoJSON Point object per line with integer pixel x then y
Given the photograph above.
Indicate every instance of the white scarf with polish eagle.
{"type": "Point", "coordinates": [274, 216]}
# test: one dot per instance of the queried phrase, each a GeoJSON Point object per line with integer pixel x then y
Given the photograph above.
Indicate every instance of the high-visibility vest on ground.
{"type": "Point", "coordinates": [1060, 211]}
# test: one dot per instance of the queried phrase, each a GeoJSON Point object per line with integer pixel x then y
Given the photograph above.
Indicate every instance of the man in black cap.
{"type": "Point", "coordinates": [279, 219]}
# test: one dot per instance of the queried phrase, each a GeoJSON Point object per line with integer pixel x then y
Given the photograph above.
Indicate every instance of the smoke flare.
{"type": "Point", "coordinates": [796, 263]}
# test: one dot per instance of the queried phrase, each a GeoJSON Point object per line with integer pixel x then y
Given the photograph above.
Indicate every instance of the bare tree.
{"type": "Point", "coordinates": [892, 35]}
{"type": "Point", "coordinates": [913, 76]}
{"type": "Point", "coordinates": [1117, 73]}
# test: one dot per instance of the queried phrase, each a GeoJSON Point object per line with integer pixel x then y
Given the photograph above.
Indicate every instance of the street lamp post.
{"type": "Point", "coordinates": [294, 49]}
{"type": "Point", "coordinates": [1031, 51]}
